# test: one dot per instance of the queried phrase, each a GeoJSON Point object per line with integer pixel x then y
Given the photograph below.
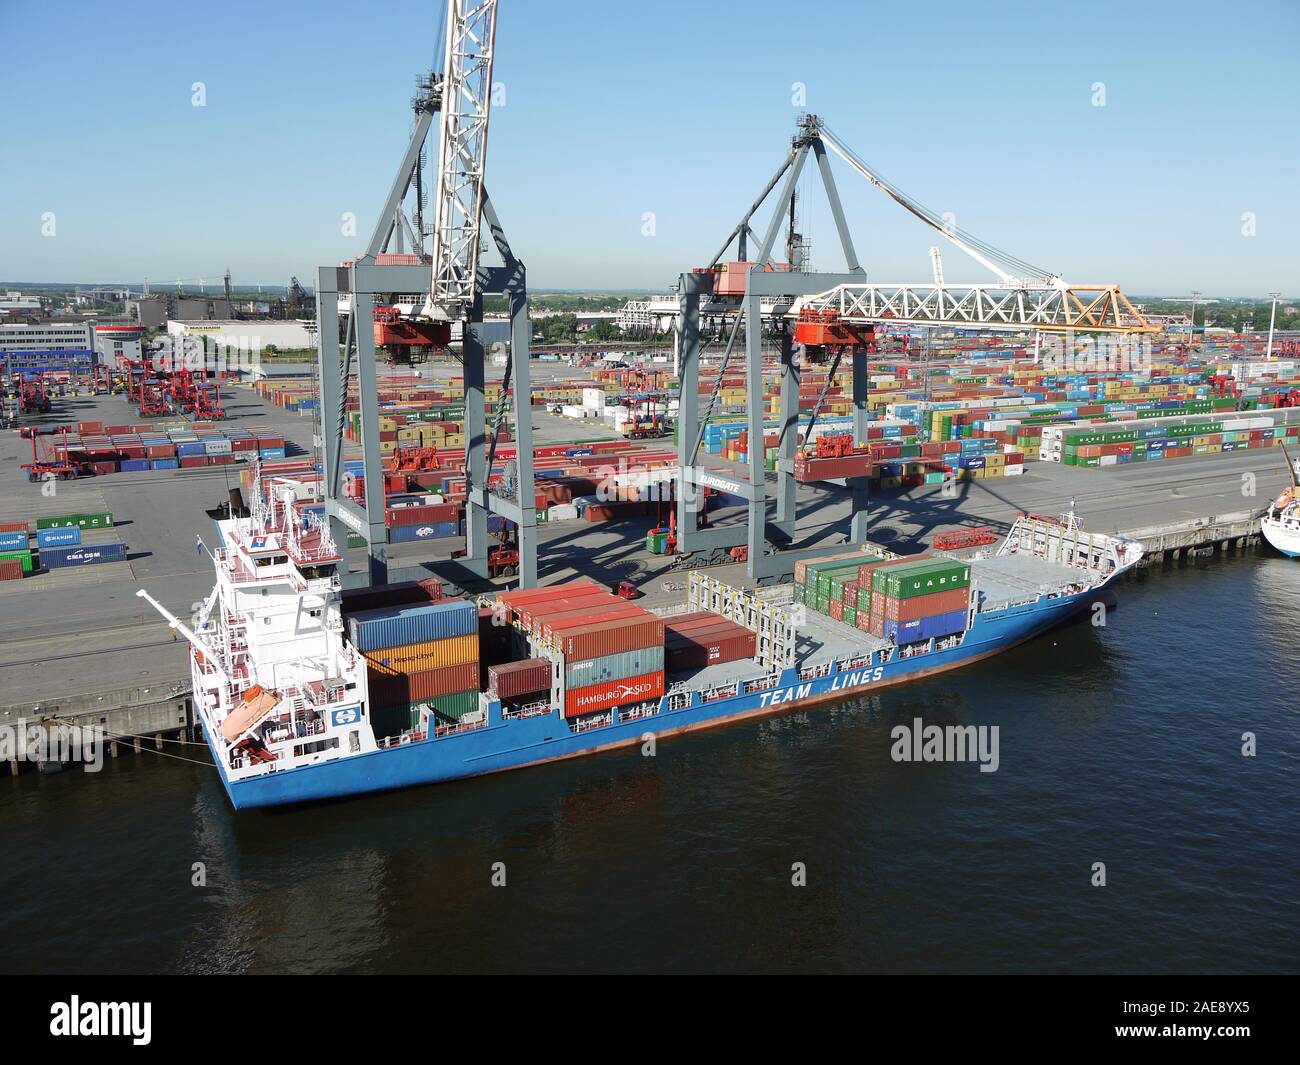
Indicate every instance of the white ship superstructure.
{"type": "Point", "coordinates": [275, 683]}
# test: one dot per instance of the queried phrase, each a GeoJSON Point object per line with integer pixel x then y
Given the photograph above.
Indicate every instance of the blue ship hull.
{"type": "Point", "coordinates": [514, 743]}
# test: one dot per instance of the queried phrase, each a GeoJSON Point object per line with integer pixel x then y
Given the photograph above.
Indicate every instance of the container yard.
{"type": "Point", "coordinates": [415, 542]}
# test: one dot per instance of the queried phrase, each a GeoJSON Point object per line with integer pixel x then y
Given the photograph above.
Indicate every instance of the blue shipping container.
{"type": "Point", "coordinates": [429, 530]}
{"type": "Point", "coordinates": [938, 625]}
{"type": "Point", "coordinates": [374, 630]}
{"type": "Point", "coordinates": [83, 555]}
{"type": "Point", "coordinates": [16, 541]}
{"type": "Point", "coordinates": [58, 537]}
{"type": "Point", "coordinates": [134, 465]}
{"type": "Point", "coordinates": [165, 464]}
{"type": "Point", "coordinates": [270, 452]}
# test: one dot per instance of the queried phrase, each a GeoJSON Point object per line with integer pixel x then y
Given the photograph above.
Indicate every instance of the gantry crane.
{"type": "Point", "coordinates": [838, 311]}
{"type": "Point", "coordinates": [451, 282]}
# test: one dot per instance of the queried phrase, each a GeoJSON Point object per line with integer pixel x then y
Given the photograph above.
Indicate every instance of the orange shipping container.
{"type": "Point", "coordinates": [419, 657]}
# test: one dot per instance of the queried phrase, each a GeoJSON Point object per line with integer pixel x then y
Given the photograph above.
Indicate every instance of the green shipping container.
{"type": "Point", "coordinates": [920, 578]}
{"type": "Point", "coordinates": [102, 520]}
{"type": "Point", "coordinates": [25, 557]}
{"type": "Point", "coordinates": [447, 708]}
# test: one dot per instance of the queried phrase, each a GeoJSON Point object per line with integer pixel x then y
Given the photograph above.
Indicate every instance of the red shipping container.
{"type": "Point", "coordinates": [531, 616]}
{"type": "Point", "coordinates": [598, 697]}
{"type": "Point", "coordinates": [836, 610]}
{"type": "Point", "coordinates": [13, 526]}
{"type": "Point", "coordinates": [720, 628]}
{"type": "Point", "coordinates": [512, 679]}
{"type": "Point", "coordinates": [611, 638]}
{"type": "Point", "coordinates": [730, 646]}
{"type": "Point", "coordinates": [552, 626]}
{"type": "Point", "coordinates": [221, 460]}
{"type": "Point", "coordinates": [921, 606]}
{"type": "Point", "coordinates": [11, 569]}
{"type": "Point", "coordinates": [529, 595]}
{"type": "Point", "coordinates": [693, 623]}
{"type": "Point", "coordinates": [400, 688]}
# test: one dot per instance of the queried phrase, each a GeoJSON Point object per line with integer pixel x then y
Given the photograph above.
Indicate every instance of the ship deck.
{"type": "Point", "coordinates": [1007, 579]}
{"type": "Point", "coordinates": [821, 639]}
{"type": "Point", "coordinates": [1002, 580]}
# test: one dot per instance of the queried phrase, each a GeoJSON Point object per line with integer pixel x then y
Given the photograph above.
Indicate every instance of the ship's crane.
{"type": "Point", "coordinates": [423, 294]}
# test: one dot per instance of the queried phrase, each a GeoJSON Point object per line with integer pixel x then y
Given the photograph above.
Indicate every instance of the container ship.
{"type": "Point", "coordinates": [308, 691]}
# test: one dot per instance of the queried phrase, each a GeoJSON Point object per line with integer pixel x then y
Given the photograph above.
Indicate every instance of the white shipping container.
{"type": "Point", "coordinates": [1012, 471]}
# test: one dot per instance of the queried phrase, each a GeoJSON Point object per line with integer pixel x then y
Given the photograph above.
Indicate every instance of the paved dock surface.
{"type": "Point", "coordinates": [84, 630]}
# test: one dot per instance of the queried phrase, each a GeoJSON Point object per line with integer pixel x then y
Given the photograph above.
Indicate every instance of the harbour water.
{"type": "Point", "coordinates": [1119, 745]}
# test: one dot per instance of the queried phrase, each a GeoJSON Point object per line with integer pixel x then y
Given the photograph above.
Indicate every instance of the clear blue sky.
{"type": "Point", "coordinates": [678, 108]}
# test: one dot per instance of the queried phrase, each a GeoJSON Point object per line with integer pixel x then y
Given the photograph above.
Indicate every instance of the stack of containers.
{"type": "Point", "coordinates": [921, 600]}
{"type": "Point", "coordinates": [15, 557]}
{"type": "Point", "coordinates": [604, 652]}
{"type": "Point", "coordinates": [693, 641]}
{"type": "Point", "coordinates": [422, 660]}
{"type": "Point", "coordinates": [840, 586]}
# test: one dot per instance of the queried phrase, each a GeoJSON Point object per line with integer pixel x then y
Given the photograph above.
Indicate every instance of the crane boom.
{"type": "Point", "coordinates": [462, 155]}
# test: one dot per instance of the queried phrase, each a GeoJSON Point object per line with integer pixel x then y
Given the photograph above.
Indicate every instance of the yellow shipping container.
{"type": "Point", "coordinates": [414, 657]}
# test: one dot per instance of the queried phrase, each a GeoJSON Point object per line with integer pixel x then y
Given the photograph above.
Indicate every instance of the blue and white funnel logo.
{"type": "Point", "coordinates": [348, 715]}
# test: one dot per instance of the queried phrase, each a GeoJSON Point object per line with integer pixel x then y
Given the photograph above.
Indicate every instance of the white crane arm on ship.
{"type": "Point", "coordinates": [197, 643]}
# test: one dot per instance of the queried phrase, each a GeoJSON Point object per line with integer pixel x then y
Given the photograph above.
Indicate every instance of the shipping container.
{"type": "Point", "coordinates": [531, 616]}
{"type": "Point", "coordinates": [13, 526]}
{"type": "Point", "coordinates": [418, 657]}
{"type": "Point", "coordinates": [919, 606]}
{"type": "Point", "coordinates": [387, 689]}
{"type": "Point", "coordinates": [14, 541]}
{"type": "Point", "coordinates": [509, 680]}
{"type": "Point", "coordinates": [586, 672]}
{"type": "Point", "coordinates": [921, 578]}
{"type": "Point", "coordinates": [708, 649]}
{"type": "Point", "coordinates": [82, 554]}
{"type": "Point", "coordinates": [58, 537]}
{"type": "Point", "coordinates": [429, 530]}
{"type": "Point", "coordinates": [599, 640]}
{"type": "Point", "coordinates": [11, 569]}
{"type": "Point", "coordinates": [387, 596]}
{"type": "Point", "coordinates": [551, 626]}
{"type": "Point", "coordinates": [101, 520]}
{"type": "Point", "coordinates": [372, 630]}
{"type": "Point", "coordinates": [528, 595]}
{"type": "Point", "coordinates": [579, 701]}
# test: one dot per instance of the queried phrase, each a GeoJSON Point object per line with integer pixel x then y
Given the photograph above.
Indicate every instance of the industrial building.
{"type": "Point", "coordinates": [245, 336]}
